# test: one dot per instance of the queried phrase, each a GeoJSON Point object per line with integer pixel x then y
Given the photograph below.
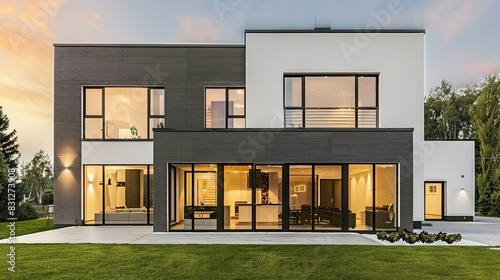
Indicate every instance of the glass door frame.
{"type": "Point", "coordinates": [254, 199]}
{"type": "Point", "coordinates": [314, 195]}
{"type": "Point", "coordinates": [442, 184]}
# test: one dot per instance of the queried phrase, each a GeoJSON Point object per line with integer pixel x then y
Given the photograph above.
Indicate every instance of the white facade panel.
{"type": "Point", "coordinates": [453, 163]}
{"type": "Point", "coordinates": [117, 152]}
{"type": "Point", "coordinates": [398, 57]}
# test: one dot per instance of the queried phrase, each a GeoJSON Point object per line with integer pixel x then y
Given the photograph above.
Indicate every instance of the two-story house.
{"type": "Point", "coordinates": [294, 130]}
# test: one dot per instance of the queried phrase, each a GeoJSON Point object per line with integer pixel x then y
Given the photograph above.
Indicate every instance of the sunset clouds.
{"type": "Point", "coordinates": [462, 39]}
{"type": "Point", "coordinates": [26, 78]}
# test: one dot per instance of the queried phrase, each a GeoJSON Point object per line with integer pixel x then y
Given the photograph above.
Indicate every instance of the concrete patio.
{"type": "Point", "coordinates": [484, 231]}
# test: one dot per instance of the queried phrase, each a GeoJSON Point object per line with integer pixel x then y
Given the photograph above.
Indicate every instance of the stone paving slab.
{"type": "Point", "coordinates": [484, 231]}
{"type": "Point", "coordinates": [87, 234]}
{"type": "Point", "coordinates": [281, 238]}
{"type": "Point", "coordinates": [145, 235]}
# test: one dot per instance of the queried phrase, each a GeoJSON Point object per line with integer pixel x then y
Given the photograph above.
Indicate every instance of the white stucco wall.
{"type": "Point", "coordinates": [448, 161]}
{"type": "Point", "coordinates": [117, 152]}
{"type": "Point", "coordinates": [398, 57]}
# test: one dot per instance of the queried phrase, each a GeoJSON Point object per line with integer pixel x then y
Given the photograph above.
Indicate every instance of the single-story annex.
{"type": "Point", "coordinates": [294, 130]}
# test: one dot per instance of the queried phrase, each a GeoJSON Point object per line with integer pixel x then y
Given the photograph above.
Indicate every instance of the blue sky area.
{"type": "Point", "coordinates": [462, 38]}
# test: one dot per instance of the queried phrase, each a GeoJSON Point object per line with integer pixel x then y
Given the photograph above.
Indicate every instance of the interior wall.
{"type": "Point", "coordinates": [360, 192]}
{"type": "Point", "coordinates": [180, 194]}
{"type": "Point", "coordinates": [385, 180]}
{"type": "Point", "coordinates": [274, 185]}
{"type": "Point", "coordinates": [235, 189]}
{"type": "Point", "coordinates": [93, 191]}
{"type": "Point", "coordinates": [302, 197]}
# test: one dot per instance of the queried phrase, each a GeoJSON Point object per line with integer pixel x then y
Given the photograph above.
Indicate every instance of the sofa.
{"type": "Point", "coordinates": [125, 216]}
{"type": "Point", "coordinates": [334, 216]}
{"type": "Point", "coordinates": [382, 217]}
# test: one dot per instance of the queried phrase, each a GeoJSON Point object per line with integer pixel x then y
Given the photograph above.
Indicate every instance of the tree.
{"type": "Point", "coordinates": [485, 116]}
{"type": "Point", "coordinates": [9, 154]}
{"type": "Point", "coordinates": [8, 141]}
{"type": "Point", "coordinates": [37, 176]}
{"type": "Point", "coordinates": [446, 112]}
{"type": "Point", "coordinates": [48, 198]}
{"type": "Point", "coordinates": [3, 187]}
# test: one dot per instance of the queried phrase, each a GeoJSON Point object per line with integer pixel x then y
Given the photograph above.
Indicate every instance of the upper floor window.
{"type": "Point", "coordinates": [344, 101]}
{"type": "Point", "coordinates": [224, 107]}
{"type": "Point", "coordinates": [122, 112]}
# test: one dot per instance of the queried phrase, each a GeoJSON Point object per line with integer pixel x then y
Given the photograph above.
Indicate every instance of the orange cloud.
{"type": "Point", "coordinates": [26, 79]}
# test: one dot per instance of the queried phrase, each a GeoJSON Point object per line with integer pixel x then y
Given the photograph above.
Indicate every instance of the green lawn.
{"type": "Point", "coordinates": [26, 227]}
{"type": "Point", "coordinates": [93, 261]}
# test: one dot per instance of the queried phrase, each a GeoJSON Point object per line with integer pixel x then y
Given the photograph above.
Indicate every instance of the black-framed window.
{"type": "Point", "coordinates": [225, 107]}
{"type": "Point", "coordinates": [118, 194]}
{"type": "Point", "coordinates": [122, 112]}
{"type": "Point", "coordinates": [331, 100]}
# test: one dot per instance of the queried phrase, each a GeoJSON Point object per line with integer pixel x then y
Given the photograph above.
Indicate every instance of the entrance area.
{"type": "Point", "coordinates": [283, 197]}
{"type": "Point", "coordinates": [434, 200]}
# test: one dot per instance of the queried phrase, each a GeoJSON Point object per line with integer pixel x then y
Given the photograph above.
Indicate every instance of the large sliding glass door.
{"type": "Point", "coordinates": [194, 190]}
{"type": "Point", "coordinates": [360, 194]}
{"type": "Point", "coordinates": [238, 197]}
{"type": "Point", "coordinates": [373, 196]}
{"type": "Point", "coordinates": [301, 194]}
{"type": "Point", "coordinates": [253, 202]}
{"type": "Point", "coordinates": [259, 197]}
{"type": "Point", "coordinates": [268, 193]}
{"type": "Point", "coordinates": [328, 206]}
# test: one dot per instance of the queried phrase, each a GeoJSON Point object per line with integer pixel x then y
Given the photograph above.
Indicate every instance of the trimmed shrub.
{"type": "Point", "coordinates": [26, 211]}
{"type": "Point", "coordinates": [424, 237]}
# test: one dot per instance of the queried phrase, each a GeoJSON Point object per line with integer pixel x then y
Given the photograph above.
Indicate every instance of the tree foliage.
{"type": "Point", "coordinates": [9, 158]}
{"type": "Point", "coordinates": [8, 141]}
{"type": "Point", "coordinates": [48, 197]}
{"type": "Point", "coordinates": [37, 176]}
{"type": "Point", "coordinates": [446, 112]}
{"type": "Point", "coordinates": [473, 112]}
{"type": "Point", "coordinates": [3, 187]}
{"type": "Point", "coordinates": [485, 116]}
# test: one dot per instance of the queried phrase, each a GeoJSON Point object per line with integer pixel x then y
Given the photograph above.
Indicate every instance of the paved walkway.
{"type": "Point", "coordinates": [482, 232]}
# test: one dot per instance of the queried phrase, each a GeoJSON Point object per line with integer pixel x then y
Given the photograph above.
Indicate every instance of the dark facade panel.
{"type": "Point", "coordinates": [268, 146]}
{"type": "Point", "coordinates": [169, 66]}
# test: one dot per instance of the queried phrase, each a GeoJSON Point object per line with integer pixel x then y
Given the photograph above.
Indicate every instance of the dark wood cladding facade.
{"type": "Point", "coordinates": [278, 146]}
{"type": "Point", "coordinates": [183, 70]}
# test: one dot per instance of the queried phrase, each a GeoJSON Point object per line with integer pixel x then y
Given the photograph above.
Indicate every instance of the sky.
{"type": "Point", "coordinates": [461, 43]}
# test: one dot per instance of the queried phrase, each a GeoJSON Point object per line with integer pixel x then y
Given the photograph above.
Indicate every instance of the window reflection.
{"type": "Point", "coordinates": [125, 114]}
{"type": "Point", "coordinates": [225, 108]}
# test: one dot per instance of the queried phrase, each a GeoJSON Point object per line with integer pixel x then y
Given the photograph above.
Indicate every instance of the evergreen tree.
{"type": "Point", "coordinates": [8, 142]}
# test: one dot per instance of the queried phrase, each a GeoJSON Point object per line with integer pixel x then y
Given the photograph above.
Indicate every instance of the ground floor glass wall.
{"type": "Point", "coordinates": [118, 194]}
{"type": "Point", "coordinates": [295, 197]}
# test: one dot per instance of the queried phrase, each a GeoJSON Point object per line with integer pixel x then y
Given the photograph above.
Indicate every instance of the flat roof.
{"type": "Point", "coordinates": [131, 45]}
{"type": "Point", "coordinates": [242, 45]}
{"type": "Point", "coordinates": [339, 30]}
